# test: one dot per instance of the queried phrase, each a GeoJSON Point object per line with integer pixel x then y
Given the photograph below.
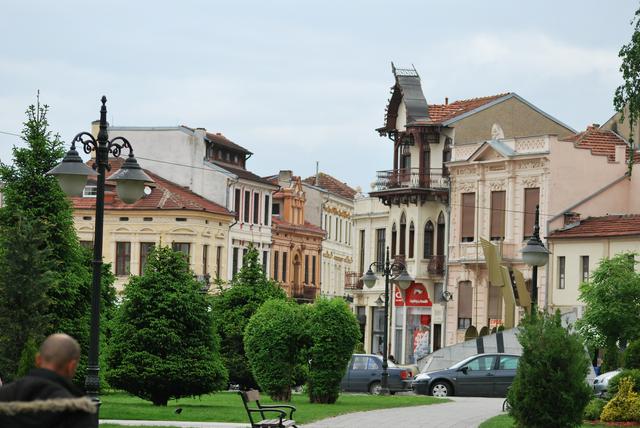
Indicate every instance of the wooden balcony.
{"type": "Point", "coordinates": [436, 265]}
{"type": "Point", "coordinates": [410, 185]}
{"type": "Point", "coordinates": [353, 281]}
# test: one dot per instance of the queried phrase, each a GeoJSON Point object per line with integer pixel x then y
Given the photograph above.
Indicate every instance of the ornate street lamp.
{"type": "Point", "coordinates": [535, 254]}
{"type": "Point", "coordinates": [72, 174]}
{"type": "Point", "coordinates": [403, 280]}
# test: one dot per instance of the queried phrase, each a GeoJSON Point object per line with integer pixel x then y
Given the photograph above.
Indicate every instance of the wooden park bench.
{"type": "Point", "coordinates": [279, 422]}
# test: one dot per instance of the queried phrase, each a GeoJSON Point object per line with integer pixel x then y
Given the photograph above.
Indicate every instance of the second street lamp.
{"type": "Point", "coordinates": [72, 174]}
{"type": "Point", "coordinates": [535, 254]}
{"type": "Point", "coordinates": [403, 280]}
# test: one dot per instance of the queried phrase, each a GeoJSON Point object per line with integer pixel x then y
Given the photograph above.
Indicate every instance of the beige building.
{"type": "Point", "coordinates": [577, 250]}
{"type": "Point", "coordinates": [167, 214]}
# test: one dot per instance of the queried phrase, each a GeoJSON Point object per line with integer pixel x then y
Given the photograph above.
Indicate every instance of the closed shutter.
{"type": "Point", "coordinates": [468, 216]}
{"type": "Point", "coordinates": [531, 200]}
{"type": "Point", "coordinates": [497, 214]}
{"type": "Point", "coordinates": [495, 302]}
{"type": "Point", "coordinates": [465, 299]}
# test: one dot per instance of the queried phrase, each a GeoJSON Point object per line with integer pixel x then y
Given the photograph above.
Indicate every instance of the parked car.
{"type": "Point", "coordinates": [601, 382]}
{"type": "Point", "coordinates": [364, 374]}
{"type": "Point", "coordinates": [483, 375]}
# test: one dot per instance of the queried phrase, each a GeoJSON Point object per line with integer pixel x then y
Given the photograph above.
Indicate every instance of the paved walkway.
{"type": "Point", "coordinates": [461, 412]}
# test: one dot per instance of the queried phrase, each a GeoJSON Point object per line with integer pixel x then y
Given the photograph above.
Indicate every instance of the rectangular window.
{"type": "Point", "coordinates": [284, 267]}
{"type": "Point", "coordinates": [276, 261]}
{"type": "Point", "coordinates": [182, 247]}
{"type": "Point", "coordinates": [275, 208]}
{"type": "Point", "coordinates": [123, 258]}
{"type": "Point", "coordinates": [256, 208]}
{"type": "Point", "coordinates": [361, 261]}
{"type": "Point", "coordinates": [465, 304]}
{"type": "Point", "coordinates": [205, 259]}
{"type": "Point", "coordinates": [244, 255]}
{"type": "Point", "coordinates": [234, 265]}
{"type": "Point", "coordinates": [306, 269]}
{"type": "Point", "coordinates": [247, 205]}
{"type": "Point", "coordinates": [218, 261]}
{"type": "Point", "coordinates": [313, 270]}
{"type": "Point", "coordinates": [380, 244]}
{"type": "Point", "coordinates": [87, 244]}
{"type": "Point", "coordinates": [561, 272]}
{"type": "Point", "coordinates": [236, 204]}
{"type": "Point", "coordinates": [498, 200]}
{"type": "Point", "coordinates": [265, 259]}
{"type": "Point", "coordinates": [145, 249]}
{"type": "Point", "coordinates": [267, 211]}
{"type": "Point", "coordinates": [531, 200]}
{"type": "Point", "coordinates": [468, 216]}
{"type": "Point", "coordinates": [584, 262]}
{"type": "Point", "coordinates": [336, 231]}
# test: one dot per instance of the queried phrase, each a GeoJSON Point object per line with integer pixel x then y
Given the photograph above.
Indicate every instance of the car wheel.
{"type": "Point", "coordinates": [441, 389]}
{"type": "Point", "coordinates": [375, 388]}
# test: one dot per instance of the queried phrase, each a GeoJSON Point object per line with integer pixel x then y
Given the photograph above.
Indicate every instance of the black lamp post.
{"type": "Point", "coordinates": [404, 280]}
{"type": "Point", "coordinates": [72, 174]}
{"type": "Point", "coordinates": [535, 254]}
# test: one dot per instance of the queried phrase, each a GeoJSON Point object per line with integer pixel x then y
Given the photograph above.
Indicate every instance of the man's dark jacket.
{"type": "Point", "coordinates": [44, 399]}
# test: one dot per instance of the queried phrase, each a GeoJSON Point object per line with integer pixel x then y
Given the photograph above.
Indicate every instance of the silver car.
{"type": "Point", "coordinates": [601, 383]}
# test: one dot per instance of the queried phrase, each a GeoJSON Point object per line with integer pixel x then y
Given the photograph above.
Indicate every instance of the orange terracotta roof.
{"type": "Point", "coordinates": [595, 227]}
{"type": "Point", "coordinates": [303, 228]}
{"type": "Point", "coordinates": [439, 113]}
{"type": "Point", "coordinates": [601, 142]}
{"type": "Point", "coordinates": [331, 184]}
{"type": "Point", "coordinates": [165, 195]}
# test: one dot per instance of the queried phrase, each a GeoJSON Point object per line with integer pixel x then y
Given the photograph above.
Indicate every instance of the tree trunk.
{"type": "Point", "coordinates": [284, 395]}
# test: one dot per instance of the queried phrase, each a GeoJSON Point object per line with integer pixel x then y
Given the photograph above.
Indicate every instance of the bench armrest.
{"type": "Point", "coordinates": [276, 406]}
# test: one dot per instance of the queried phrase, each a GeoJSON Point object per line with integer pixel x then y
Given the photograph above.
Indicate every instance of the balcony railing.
{"type": "Point", "coordinates": [353, 281]}
{"type": "Point", "coordinates": [305, 292]}
{"type": "Point", "coordinates": [436, 265]}
{"type": "Point", "coordinates": [411, 178]}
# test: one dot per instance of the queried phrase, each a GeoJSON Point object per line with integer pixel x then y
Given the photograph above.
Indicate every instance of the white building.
{"type": "Point", "coordinates": [214, 167]}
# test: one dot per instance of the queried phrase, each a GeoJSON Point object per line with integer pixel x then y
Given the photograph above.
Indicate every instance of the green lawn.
{"type": "Point", "coordinates": [131, 426]}
{"type": "Point", "coordinates": [227, 407]}
{"type": "Point", "coordinates": [506, 421]}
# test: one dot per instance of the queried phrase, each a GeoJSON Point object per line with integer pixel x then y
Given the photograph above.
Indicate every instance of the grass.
{"type": "Point", "coordinates": [132, 426]}
{"type": "Point", "coordinates": [227, 407]}
{"type": "Point", "coordinates": [506, 421]}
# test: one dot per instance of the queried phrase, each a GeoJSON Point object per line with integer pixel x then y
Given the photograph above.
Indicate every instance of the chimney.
{"type": "Point", "coordinates": [621, 153]}
{"type": "Point", "coordinates": [109, 197]}
{"type": "Point", "coordinates": [593, 126]}
{"type": "Point", "coordinates": [284, 176]}
{"type": "Point", "coordinates": [571, 218]}
{"type": "Point", "coordinates": [446, 101]}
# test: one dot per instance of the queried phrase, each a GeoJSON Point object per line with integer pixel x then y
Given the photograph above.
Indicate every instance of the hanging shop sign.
{"type": "Point", "coordinates": [415, 295]}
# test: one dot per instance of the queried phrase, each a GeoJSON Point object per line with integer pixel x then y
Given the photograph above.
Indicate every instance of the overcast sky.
{"type": "Point", "coordinates": [297, 82]}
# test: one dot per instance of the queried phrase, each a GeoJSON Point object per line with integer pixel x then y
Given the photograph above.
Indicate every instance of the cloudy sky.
{"type": "Point", "coordinates": [300, 81]}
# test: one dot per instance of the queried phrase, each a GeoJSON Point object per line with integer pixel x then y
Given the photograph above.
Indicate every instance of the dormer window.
{"type": "Point", "coordinates": [90, 191]}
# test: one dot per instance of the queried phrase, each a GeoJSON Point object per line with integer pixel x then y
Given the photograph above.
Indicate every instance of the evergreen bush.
{"type": "Point", "coordinates": [232, 308]}
{"type": "Point", "coordinates": [594, 409]}
{"type": "Point", "coordinates": [633, 374]}
{"type": "Point", "coordinates": [549, 390]}
{"type": "Point", "coordinates": [631, 355]}
{"type": "Point", "coordinates": [164, 345]}
{"type": "Point", "coordinates": [333, 331]}
{"type": "Point", "coordinates": [624, 406]}
{"type": "Point", "coordinates": [272, 343]}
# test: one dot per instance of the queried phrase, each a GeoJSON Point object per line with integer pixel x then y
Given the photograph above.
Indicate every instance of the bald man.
{"type": "Point", "coordinates": [46, 397]}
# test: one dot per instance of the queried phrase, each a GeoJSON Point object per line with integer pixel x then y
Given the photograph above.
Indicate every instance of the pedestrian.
{"type": "Point", "coordinates": [45, 397]}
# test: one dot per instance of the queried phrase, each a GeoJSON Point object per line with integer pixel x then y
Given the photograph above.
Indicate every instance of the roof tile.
{"type": "Point", "coordinates": [601, 142]}
{"type": "Point", "coordinates": [606, 226]}
{"type": "Point", "coordinates": [331, 184]}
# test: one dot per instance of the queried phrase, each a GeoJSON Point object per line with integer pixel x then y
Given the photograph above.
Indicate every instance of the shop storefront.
{"type": "Point", "coordinates": [412, 323]}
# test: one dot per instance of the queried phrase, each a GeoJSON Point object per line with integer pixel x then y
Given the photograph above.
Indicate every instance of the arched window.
{"type": "Point", "coordinates": [412, 234]}
{"type": "Point", "coordinates": [394, 237]}
{"type": "Point", "coordinates": [441, 235]}
{"type": "Point", "coordinates": [428, 240]}
{"type": "Point", "coordinates": [403, 235]}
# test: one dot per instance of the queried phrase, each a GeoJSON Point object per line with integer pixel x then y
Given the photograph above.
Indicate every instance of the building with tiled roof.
{"type": "Point", "coordinates": [601, 142]}
{"type": "Point", "coordinates": [577, 248]}
{"type": "Point", "coordinates": [297, 243]}
{"type": "Point", "coordinates": [213, 166]}
{"type": "Point", "coordinates": [167, 214]}
{"type": "Point", "coordinates": [331, 184]}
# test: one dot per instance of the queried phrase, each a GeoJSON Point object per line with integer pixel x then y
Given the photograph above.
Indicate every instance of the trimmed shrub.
{"type": "Point", "coordinates": [272, 344]}
{"type": "Point", "coordinates": [594, 409]}
{"type": "Point", "coordinates": [631, 355]}
{"type": "Point", "coordinates": [549, 389]}
{"type": "Point", "coordinates": [633, 374]}
{"type": "Point", "coordinates": [624, 406]}
{"type": "Point", "coordinates": [164, 345]}
{"type": "Point", "coordinates": [334, 332]}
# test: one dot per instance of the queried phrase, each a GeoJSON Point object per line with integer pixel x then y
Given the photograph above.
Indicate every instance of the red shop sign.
{"type": "Point", "coordinates": [415, 295]}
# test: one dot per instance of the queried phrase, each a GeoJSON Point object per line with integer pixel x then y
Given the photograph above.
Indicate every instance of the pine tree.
{"type": "Point", "coordinates": [163, 344]}
{"type": "Point", "coordinates": [234, 306]}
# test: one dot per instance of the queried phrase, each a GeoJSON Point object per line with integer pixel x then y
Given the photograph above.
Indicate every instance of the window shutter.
{"type": "Point", "coordinates": [468, 214]}
{"type": "Point", "coordinates": [497, 214]}
{"type": "Point", "coordinates": [465, 299]}
{"type": "Point", "coordinates": [531, 199]}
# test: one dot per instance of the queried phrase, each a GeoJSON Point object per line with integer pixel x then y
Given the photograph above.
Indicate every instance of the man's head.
{"type": "Point", "coordinates": [59, 353]}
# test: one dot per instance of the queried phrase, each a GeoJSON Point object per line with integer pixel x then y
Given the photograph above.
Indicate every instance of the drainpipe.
{"type": "Point", "coordinates": [446, 265]}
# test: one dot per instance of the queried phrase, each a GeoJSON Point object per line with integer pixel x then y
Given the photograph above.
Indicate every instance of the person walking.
{"type": "Point", "coordinates": [45, 397]}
